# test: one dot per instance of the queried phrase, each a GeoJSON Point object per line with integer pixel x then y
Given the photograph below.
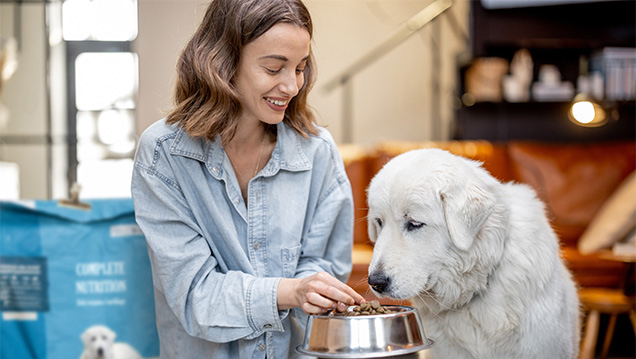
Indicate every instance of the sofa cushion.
{"type": "Point", "coordinates": [494, 156]}
{"type": "Point", "coordinates": [356, 161]}
{"type": "Point", "coordinates": [573, 180]}
{"type": "Point", "coordinates": [615, 221]}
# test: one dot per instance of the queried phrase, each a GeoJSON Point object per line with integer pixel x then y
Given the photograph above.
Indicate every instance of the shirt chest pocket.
{"type": "Point", "coordinates": [289, 260]}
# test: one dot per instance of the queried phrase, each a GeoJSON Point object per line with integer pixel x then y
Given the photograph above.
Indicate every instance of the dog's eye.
{"type": "Point", "coordinates": [412, 225]}
{"type": "Point", "coordinates": [378, 221]}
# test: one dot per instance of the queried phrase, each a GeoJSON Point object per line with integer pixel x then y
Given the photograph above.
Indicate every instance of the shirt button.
{"type": "Point", "coordinates": [215, 169]}
{"type": "Point", "coordinates": [256, 245]}
{"type": "Point", "coordinates": [262, 347]}
{"type": "Point", "coordinates": [267, 326]}
{"type": "Point", "coordinates": [237, 200]}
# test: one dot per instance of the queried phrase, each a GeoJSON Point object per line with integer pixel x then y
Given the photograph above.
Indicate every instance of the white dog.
{"type": "Point", "coordinates": [99, 343]}
{"type": "Point", "coordinates": [477, 257]}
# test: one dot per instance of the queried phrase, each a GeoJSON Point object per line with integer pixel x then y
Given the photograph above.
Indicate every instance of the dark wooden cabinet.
{"type": "Point", "coordinates": [559, 35]}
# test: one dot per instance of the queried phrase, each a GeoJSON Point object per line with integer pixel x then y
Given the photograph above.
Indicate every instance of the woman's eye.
{"type": "Point", "coordinates": [412, 225]}
{"type": "Point", "coordinates": [378, 221]}
{"type": "Point", "coordinates": [300, 70]}
{"type": "Point", "coordinates": [272, 71]}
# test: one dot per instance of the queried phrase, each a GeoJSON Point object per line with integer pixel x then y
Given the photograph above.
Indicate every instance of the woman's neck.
{"type": "Point", "coordinates": [249, 151]}
{"type": "Point", "coordinates": [247, 137]}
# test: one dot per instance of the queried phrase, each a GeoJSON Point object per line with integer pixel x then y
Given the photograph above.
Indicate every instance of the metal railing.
{"type": "Point", "coordinates": [399, 35]}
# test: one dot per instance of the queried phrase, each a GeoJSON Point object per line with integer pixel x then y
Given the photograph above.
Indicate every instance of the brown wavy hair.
{"type": "Point", "coordinates": [206, 102]}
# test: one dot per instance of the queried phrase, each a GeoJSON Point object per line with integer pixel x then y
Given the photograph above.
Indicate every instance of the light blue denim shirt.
{"type": "Point", "coordinates": [216, 262]}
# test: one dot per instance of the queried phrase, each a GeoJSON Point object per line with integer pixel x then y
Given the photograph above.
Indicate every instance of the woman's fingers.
{"type": "Point", "coordinates": [312, 309]}
{"type": "Point", "coordinates": [318, 300]}
{"type": "Point", "coordinates": [357, 298]}
{"type": "Point", "coordinates": [316, 294]}
{"type": "Point", "coordinates": [341, 307]}
{"type": "Point", "coordinates": [339, 294]}
{"type": "Point", "coordinates": [324, 292]}
{"type": "Point", "coordinates": [338, 291]}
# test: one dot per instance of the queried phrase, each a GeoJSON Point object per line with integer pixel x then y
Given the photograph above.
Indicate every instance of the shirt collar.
{"type": "Point", "coordinates": [287, 155]}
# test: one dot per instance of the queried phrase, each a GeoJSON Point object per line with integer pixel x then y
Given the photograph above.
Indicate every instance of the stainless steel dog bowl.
{"type": "Point", "coordinates": [365, 336]}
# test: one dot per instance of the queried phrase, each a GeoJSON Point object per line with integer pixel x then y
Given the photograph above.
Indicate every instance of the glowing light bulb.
{"type": "Point", "coordinates": [583, 111]}
{"type": "Point", "coordinates": [587, 113]}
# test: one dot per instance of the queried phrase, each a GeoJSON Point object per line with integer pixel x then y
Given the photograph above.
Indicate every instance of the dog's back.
{"type": "Point", "coordinates": [530, 308]}
{"type": "Point", "coordinates": [543, 284]}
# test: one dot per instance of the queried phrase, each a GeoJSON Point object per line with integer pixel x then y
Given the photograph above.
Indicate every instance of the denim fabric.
{"type": "Point", "coordinates": [216, 262]}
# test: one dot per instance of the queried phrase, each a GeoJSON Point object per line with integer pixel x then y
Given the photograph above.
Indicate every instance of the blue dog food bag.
{"type": "Point", "coordinates": [68, 274]}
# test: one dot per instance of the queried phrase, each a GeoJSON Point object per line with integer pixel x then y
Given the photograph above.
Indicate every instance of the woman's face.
{"type": "Point", "coordinates": [270, 72]}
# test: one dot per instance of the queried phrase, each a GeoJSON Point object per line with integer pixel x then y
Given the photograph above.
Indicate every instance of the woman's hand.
{"type": "Point", "coordinates": [316, 294]}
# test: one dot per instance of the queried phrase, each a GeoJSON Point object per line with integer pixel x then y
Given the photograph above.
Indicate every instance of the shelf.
{"type": "Point", "coordinates": [539, 121]}
{"type": "Point", "coordinates": [558, 35]}
{"type": "Point", "coordinates": [579, 26]}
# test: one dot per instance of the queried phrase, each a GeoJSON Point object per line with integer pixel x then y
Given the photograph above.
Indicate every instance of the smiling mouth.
{"type": "Point", "coordinates": [276, 102]}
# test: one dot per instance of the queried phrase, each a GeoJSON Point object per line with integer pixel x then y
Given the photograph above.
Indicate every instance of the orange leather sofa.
{"type": "Point", "coordinates": [573, 180]}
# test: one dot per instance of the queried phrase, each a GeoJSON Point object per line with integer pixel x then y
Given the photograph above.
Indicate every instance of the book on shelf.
{"type": "Point", "coordinates": [617, 66]}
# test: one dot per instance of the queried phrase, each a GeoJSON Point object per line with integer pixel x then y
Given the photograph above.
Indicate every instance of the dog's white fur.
{"type": "Point", "coordinates": [99, 343]}
{"type": "Point", "coordinates": [477, 257]}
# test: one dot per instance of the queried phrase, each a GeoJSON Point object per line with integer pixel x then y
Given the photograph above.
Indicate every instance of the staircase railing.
{"type": "Point", "coordinates": [403, 32]}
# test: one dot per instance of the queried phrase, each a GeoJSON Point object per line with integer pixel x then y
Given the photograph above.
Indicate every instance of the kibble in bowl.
{"type": "Point", "coordinates": [367, 308]}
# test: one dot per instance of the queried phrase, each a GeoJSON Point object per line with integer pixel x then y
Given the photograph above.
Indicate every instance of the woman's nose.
{"type": "Point", "coordinates": [291, 83]}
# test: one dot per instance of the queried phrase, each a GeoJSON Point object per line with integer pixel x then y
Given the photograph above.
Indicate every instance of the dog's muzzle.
{"type": "Point", "coordinates": [379, 282]}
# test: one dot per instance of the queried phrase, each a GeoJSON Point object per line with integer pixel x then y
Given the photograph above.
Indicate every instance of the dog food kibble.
{"type": "Point", "coordinates": [366, 308]}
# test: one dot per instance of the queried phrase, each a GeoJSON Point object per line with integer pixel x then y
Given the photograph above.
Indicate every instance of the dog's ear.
{"type": "Point", "coordinates": [467, 204]}
{"type": "Point", "coordinates": [112, 335]}
{"type": "Point", "coordinates": [371, 229]}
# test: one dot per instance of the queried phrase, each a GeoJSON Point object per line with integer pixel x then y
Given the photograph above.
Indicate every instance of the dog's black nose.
{"type": "Point", "coordinates": [100, 352]}
{"type": "Point", "coordinates": [379, 281]}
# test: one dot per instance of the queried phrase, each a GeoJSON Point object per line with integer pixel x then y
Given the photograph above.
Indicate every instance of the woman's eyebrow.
{"type": "Point", "coordinates": [275, 57]}
{"type": "Point", "coordinates": [281, 58]}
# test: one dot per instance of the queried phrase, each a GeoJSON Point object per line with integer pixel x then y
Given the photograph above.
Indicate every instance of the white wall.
{"type": "Point", "coordinates": [25, 97]}
{"type": "Point", "coordinates": [392, 97]}
{"type": "Point", "coordinates": [164, 28]}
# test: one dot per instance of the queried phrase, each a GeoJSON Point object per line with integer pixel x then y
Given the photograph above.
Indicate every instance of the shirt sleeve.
{"type": "Point", "coordinates": [328, 243]}
{"type": "Point", "coordinates": [209, 302]}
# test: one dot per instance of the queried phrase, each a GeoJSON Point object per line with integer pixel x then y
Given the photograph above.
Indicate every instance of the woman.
{"type": "Point", "coordinates": [244, 201]}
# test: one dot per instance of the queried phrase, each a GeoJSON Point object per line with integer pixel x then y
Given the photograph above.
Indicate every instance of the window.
{"type": "Point", "coordinates": [102, 88]}
{"type": "Point", "coordinates": [100, 20]}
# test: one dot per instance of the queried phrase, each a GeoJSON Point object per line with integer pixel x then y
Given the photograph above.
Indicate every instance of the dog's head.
{"type": "Point", "coordinates": [98, 341]}
{"type": "Point", "coordinates": [426, 209]}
